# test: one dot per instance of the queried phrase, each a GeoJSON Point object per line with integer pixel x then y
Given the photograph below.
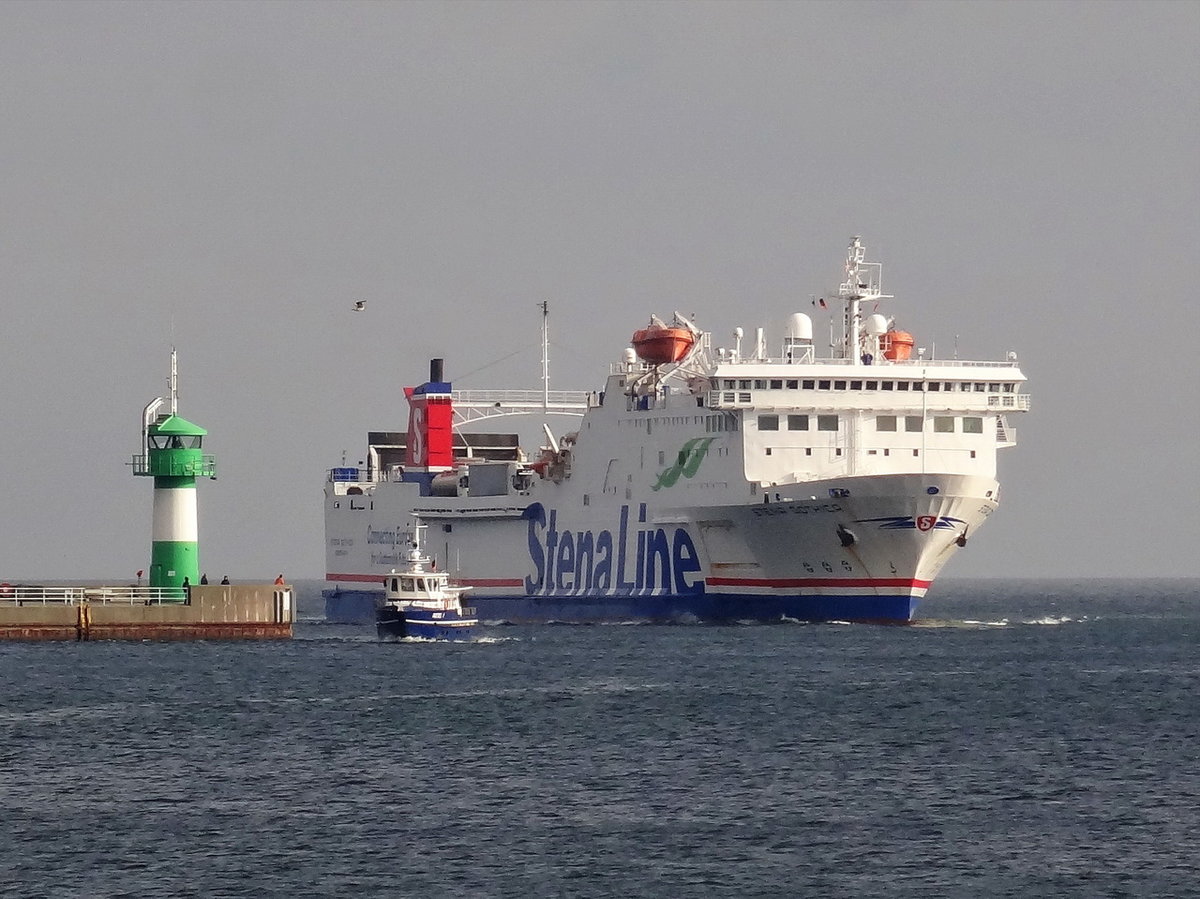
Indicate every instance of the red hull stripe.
{"type": "Point", "coordinates": [466, 582]}
{"type": "Point", "coordinates": [910, 583]}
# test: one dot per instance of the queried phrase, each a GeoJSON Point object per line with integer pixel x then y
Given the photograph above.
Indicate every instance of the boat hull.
{"type": "Point", "coordinates": [393, 623]}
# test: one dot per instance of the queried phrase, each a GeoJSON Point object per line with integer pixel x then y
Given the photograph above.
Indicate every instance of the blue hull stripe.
{"type": "Point", "coordinates": [710, 607]}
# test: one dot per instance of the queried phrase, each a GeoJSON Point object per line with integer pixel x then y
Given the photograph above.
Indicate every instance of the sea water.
{"type": "Point", "coordinates": [1024, 739]}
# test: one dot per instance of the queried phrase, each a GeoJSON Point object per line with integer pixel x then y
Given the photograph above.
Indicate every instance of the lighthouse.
{"type": "Point", "coordinates": [173, 455]}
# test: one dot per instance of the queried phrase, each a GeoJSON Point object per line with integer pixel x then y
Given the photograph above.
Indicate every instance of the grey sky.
{"type": "Point", "coordinates": [231, 177]}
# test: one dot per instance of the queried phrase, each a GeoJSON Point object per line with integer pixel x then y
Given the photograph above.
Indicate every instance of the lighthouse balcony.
{"type": "Point", "coordinates": [183, 465]}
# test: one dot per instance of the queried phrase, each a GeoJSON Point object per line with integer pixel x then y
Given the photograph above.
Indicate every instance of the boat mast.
{"type": "Point", "coordinates": [545, 356]}
{"type": "Point", "coordinates": [864, 281]}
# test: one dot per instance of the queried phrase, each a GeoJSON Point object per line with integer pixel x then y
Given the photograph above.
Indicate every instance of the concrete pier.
{"type": "Point", "coordinates": [210, 612]}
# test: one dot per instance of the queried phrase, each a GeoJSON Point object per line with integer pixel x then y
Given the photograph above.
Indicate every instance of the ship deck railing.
{"type": "Point", "coordinates": [132, 595]}
{"type": "Point", "coordinates": [877, 364]}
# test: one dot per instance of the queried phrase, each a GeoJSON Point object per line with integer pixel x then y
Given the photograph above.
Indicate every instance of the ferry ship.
{"type": "Point", "coordinates": [755, 483]}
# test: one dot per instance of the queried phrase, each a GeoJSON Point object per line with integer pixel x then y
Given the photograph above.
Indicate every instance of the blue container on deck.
{"type": "Point", "coordinates": [344, 474]}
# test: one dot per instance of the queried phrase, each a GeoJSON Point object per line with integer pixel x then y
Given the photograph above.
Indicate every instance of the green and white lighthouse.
{"type": "Point", "coordinates": [174, 457]}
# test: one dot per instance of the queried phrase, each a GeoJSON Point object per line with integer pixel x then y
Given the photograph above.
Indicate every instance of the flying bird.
{"type": "Point", "coordinates": [360, 305]}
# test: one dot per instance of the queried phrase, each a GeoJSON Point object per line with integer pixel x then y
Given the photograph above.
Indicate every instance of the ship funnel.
{"type": "Point", "coordinates": [435, 371]}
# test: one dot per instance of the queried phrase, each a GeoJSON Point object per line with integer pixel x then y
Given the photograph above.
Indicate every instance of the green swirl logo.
{"type": "Point", "coordinates": [687, 463]}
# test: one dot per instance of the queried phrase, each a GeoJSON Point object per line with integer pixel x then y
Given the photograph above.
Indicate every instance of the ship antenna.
{"type": "Point", "coordinates": [545, 356]}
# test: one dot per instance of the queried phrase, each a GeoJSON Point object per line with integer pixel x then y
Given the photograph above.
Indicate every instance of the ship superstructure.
{"type": "Point", "coordinates": [749, 483]}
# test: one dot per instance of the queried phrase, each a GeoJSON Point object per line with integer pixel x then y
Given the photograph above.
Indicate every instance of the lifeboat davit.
{"type": "Point", "coordinates": [659, 344]}
{"type": "Point", "coordinates": [896, 345]}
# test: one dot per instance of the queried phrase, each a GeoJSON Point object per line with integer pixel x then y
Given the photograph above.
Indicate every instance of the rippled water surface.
{"type": "Point", "coordinates": [1025, 739]}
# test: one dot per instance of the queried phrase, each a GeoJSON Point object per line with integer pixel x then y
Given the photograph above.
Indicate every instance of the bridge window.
{"type": "Point", "coordinates": [902, 385]}
{"type": "Point", "coordinates": [839, 385]}
{"type": "Point", "coordinates": [808, 383]}
{"type": "Point", "coordinates": [777, 385]}
{"type": "Point", "coordinates": [872, 385]}
{"type": "Point", "coordinates": [887, 385]}
{"type": "Point", "coordinates": [760, 384]}
{"type": "Point", "coordinates": [793, 385]}
{"type": "Point", "coordinates": [934, 385]}
{"type": "Point", "coordinates": [856, 385]}
{"type": "Point", "coordinates": [823, 385]}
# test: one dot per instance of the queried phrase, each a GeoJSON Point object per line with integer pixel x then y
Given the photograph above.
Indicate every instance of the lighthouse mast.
{"type": "Point", "coordinates": [172, 455]}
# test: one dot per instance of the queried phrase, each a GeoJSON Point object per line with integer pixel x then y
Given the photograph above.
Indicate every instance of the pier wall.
{"type": "Point", "coordinates": [214, 612]}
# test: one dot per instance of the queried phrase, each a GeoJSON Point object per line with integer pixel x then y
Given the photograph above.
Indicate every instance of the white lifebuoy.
{"type": "Point", "coordinates": [6, 589]}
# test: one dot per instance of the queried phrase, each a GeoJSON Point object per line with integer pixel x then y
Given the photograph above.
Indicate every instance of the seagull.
{"type": "Point", "coordinates": [360, 305]}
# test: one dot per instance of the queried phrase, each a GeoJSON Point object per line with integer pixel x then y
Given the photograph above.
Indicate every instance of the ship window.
{"type": "Point", "coordinates": [823, 385]}
{"type": "Point", "coordinates": [728, 384]}
{"type": "Point", "coordinates": [885, 422]}
{"type": "Point", "coordinates": [760, 384]}
{"type": "Point", "coordinates": [768, 451]}
{"type": "Point", "coordinates": [792, 385]}
{"type": "Point", "coordinates": [808, 451]}
{"type": "Point", "coordinates": [934, 386]}
{"type": "Point", "coordinates": [797, 422]}
{"type": "Point", "coordinates": [918, 386]}
{"type": "Point", "coordinates": [1008, 388]}
{"type": "Point", "coordinates": [587, 500]}
{"type": "Point", "coordinates": [993, 388]}
{"type": "Point", "coordinates": [943, 424]}
{"type": "Point", "coordinates": [914, 423]}
{"type": "Point", "coordinates": [827, 422]}
{"type": "Point", "coordinates": [872, 385]}
{"type": "Point", "coordinates": [872, 452]}
{"type": "Point", "coordinates": [808, 383]}
{"type": "Point", "coordinates": [839, 385]}
{"type": "Point", "coordinates": [406, 583]}
{"type": "Point", "coordinates": [972, 424]}
{"type": "Point", "coordinates": [838, 451]}
{"type": "Point", "coordinates": [856, 385]}
{"type": "Point", "coordinates": [743, 385]}
{"type": "Point", "coordinates": [887, 385]}
{"type": "Point", "coordinates": [916, 452]}
{"type": "Point", "coordinates": [902, 385]}
{"type": "Point", "coordinates": [972, 454]}
{"type": "Point", "coordinates": [887, 452]}
{"type": "Point", "coordinates": [662, 458]}
{"type": "Point", "coordinates": [768, 422]}
{"type": "Point", "coordinates": [395, 585]}
{"type": "Point", "coordinates": [777, 385]}
{"type": "Point", "coordinates": [979, 387]}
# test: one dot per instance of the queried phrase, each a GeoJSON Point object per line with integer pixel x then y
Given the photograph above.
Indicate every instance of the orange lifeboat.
{"type": "Point", "coordinates": [658, 344]}
{"type": "Point", "coordinates": [896, 345]}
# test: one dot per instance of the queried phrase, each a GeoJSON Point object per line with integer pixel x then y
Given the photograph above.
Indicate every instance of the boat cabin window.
{"type": "Point", "coordinates": [793, 385]}
{"type": "Point", "coordinates": [823, 385]}
{"type": "Point", "coordinates": [768, 422]}
{"type": "Point", "coordinates": [395, 588]}
{"type": "Point", "coordinates": [934, 385]}
{"type": "Point", "coordinates": [902, 385]}
{"type": "Point", "coordinates": [808, 383]}
{"type": "Point", "coordinates": [856, 385]}
{"type": "Point", "coordinates": [406, 584]}
{"type": "Point", "coordinates": [914, 423]}
{"type": "Point", "coordinates": [943, 424]}
{"type": "Point", "coordinates": [777, 385]}
{"type": "Point", "coordinates": [885, 422]}
{"type": "Point", "coordinates": [972, 424]}
{"type": "Point", "coordinates": [797, 422]}
{"type": "Point", "coordinates": [827, 422]}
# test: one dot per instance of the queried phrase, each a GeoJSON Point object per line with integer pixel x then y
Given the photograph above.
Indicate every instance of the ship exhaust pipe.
{"type": "Point", "coordinates": [435, 371]}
